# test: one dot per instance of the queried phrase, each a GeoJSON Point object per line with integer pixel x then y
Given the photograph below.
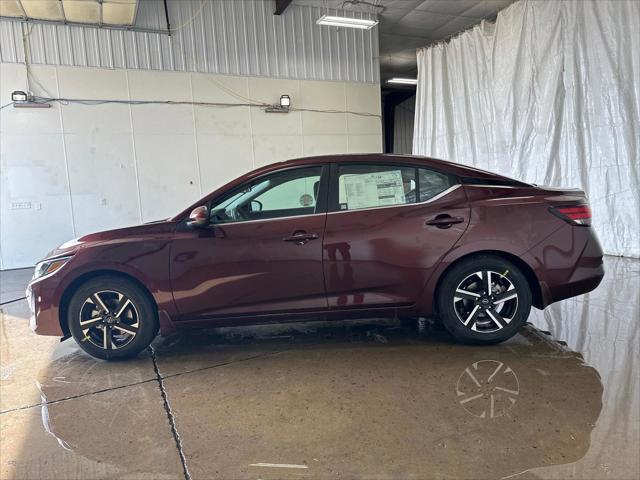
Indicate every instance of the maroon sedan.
{"type": "Point", "coordinates": [327, 238]}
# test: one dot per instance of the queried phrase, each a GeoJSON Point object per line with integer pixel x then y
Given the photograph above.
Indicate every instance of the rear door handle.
{"type": "Point", "coordinates": [444, 221]}
{"type": "Point", "coordinates": [300, 238]}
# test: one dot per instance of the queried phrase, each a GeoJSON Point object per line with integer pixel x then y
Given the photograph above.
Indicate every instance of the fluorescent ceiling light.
{"type": "Point", "coordinates": [362, 23]}
{"type": "Point", "coordinates": [404, 81]}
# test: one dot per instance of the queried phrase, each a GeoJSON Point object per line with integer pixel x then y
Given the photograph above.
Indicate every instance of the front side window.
{"type": "Point", "coordinates": [368, 186]}
{"type": "Point", "coordinates": [282, 194]}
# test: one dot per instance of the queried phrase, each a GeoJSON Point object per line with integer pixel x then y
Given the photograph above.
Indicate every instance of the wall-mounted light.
{"type": "Point", "coordinates": [403, 81]}
{"type": "Point", "coordinates": [333, 21]}
{"type": "Point", "coordinates": [285, 101]}
{"type": "Point", "coordinates": [22, 99]}
{"type": "Point", "coordinates": [19, 96]}
{"type": "Point", "coordinates": [285, 104]}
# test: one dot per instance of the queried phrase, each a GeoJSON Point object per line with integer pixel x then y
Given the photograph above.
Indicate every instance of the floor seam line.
{"type": "Point", "coordinates": [13, 301]}
{"type": "Point", "coordinates": [74, 397]}
{"type": "Point", "coordinates": [170, 416]}
{"type": "Point", "coordinates": [141, 382]}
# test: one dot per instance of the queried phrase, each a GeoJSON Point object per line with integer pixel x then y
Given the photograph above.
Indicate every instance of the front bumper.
{"type": "Point", "coordinates": [44, 318]}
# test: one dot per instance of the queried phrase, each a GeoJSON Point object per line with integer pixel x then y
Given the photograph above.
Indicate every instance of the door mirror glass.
{"type": "Point", "coordinates": [256, 206]}
{"type": "Point", "coordinates": [199, 217]}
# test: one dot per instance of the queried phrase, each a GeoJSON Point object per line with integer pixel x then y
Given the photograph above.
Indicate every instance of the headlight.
{"type": "Point", "coordinates": [49, 267]}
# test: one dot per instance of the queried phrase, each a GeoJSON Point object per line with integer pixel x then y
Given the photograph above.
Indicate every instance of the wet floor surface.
{"type": "Point", "coordinates": [370, 399]}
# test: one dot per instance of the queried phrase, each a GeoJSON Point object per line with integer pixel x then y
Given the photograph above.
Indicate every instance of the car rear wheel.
{"type": "Point", "coordinates": [112, 318]}
{"type": "Point", "coordinates": [484, 300]}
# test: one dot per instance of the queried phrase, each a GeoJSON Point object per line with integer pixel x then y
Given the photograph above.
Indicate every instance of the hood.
{"type": "Point", "coordinates": [126, 233]}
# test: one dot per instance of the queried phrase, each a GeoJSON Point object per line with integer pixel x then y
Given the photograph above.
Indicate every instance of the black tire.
{"type": "Point", "coordinates": [124, 337]}
{"type": "Point", "coordinates": [485, 323]}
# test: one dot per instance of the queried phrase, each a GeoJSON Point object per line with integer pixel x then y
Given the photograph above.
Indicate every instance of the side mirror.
{"type": "Point", "coordinates": [255, 206]}
{"type": "Point", "coordinates": [199, 217]}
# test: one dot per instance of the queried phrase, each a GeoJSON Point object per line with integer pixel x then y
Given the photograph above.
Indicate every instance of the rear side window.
{"type": "Point", "coordinates": [368, 186]}
{"type": "Point", "coordinates": [432, 183]}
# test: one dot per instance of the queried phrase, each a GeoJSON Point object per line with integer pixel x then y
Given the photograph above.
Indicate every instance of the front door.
{"type": "Point", "coordinates": [261, 254]}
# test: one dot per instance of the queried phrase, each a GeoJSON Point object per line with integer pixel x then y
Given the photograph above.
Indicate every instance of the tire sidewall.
{"type": "Point", "coordinates": [148, 322]}
{"type": "Point", "coordinates": [460, 272]}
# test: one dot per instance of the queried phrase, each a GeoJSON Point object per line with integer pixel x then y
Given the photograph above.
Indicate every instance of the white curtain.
{"type": "Point", "coordinates": [548, 94]}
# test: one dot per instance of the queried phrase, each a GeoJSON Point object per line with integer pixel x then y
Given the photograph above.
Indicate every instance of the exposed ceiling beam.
{"type": "Point", "coordinates": [281, 6]}
{"type": "Point", "coordinates": [132, 28]}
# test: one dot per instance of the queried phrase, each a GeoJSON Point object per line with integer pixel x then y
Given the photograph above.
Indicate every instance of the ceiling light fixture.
{"type": "Point", "coordinates": [333, 21]}
{"type": "Point", "coordinates": [403, 81]}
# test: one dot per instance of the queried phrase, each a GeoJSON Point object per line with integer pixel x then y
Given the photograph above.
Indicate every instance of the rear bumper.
{"type": "Point", "coordinates": [568, 263]}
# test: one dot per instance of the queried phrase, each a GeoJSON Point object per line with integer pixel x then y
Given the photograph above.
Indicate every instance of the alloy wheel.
{"type": "Point", "coordinates": [486, 301]}
{"type": "Point", "coordinates": [109, 320]}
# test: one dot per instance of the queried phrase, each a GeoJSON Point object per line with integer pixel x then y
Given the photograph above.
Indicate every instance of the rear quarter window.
{"type": "Point", "coordinates": [432, 183]}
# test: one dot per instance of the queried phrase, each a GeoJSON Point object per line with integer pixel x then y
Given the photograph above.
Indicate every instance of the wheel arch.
{"type": "Point", "coordinates": [77, 282]}
{"type": "Point", "coordinates": [525, 268]}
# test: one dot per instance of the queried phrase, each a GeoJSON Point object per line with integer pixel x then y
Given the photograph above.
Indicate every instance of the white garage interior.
{"type": "Point", "coordinates": [115, 113]}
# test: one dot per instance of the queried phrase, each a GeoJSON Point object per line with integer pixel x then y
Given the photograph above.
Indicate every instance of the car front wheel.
{"type": "Point", "coordinates": [484, 300]}
{"type": "Point", "coordinates": [112, 318]}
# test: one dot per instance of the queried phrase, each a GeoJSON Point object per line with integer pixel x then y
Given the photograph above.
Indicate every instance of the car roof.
{"type": "Point", "coordinates": [442, 165]}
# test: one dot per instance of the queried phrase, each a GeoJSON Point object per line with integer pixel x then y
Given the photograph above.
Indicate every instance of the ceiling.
{"type": "Point", "coordinates": [409, 24]}
{"type": "Point", "coordinates": [404, 24]}
{"type": "Point", "coordinates": [104, 12]}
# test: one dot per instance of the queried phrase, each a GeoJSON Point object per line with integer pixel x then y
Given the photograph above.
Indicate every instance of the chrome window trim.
{"type": "Point", "coordinates": [432, 199]}
{"type": "Point", "coordinates": [491, 186]}
{"type": "Point", "coordinates": [265, 219]}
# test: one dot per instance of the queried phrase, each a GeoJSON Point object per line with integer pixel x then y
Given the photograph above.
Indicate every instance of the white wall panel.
{"type": "Point", "coordinates": [223, 157]}
{"type": "Point", "coordinates": [167, 174]}
{"type": "Point", "coordinates": [35, 214]}
{"type": "Point", "coordinates": [103, 181]}
{"type": "Point", "coordinates": [221, 121]}
{"type": "Point", "coordinates": [228, 36]}
{"type": "Point", "coordinates": [273, 148]}
{"type": "Point", "coordinates": [365, 143]}
{"type": "Point", "coordinates": [325, 145]}
{"type": "Point", "coordinates": [86, 168]}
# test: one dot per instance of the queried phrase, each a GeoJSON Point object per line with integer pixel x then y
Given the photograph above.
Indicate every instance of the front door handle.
{"type": "Point", "coordinates": [301, 237]}
{"type": "Point", "coordinates": [444, 221]}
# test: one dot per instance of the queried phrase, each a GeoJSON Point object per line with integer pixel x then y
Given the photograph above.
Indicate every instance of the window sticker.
{"type": "Point", "coordinates": [365, 190]}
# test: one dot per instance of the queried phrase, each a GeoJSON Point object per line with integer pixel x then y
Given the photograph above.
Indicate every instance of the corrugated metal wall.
{"type": "Point", "coordinates": [240, 37]}
{"type": "Point", "coordinates": [403, 126]}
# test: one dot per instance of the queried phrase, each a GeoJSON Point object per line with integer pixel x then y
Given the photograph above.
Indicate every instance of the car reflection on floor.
{"type": "Point", "coordinates": [359, 399]}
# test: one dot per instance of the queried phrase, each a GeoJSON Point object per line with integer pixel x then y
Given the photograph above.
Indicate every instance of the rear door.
{"type": "Point", "coordinates": [387, 229]}
{"type": "Point", "coordinates": [261, 254]}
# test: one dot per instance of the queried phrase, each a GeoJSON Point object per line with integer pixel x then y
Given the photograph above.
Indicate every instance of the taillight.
{"type": "Point", "coordinates": [574, 214]}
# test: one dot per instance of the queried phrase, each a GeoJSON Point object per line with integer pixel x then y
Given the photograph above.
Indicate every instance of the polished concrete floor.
{"type": "Point", "coordinates": [360, 400]}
